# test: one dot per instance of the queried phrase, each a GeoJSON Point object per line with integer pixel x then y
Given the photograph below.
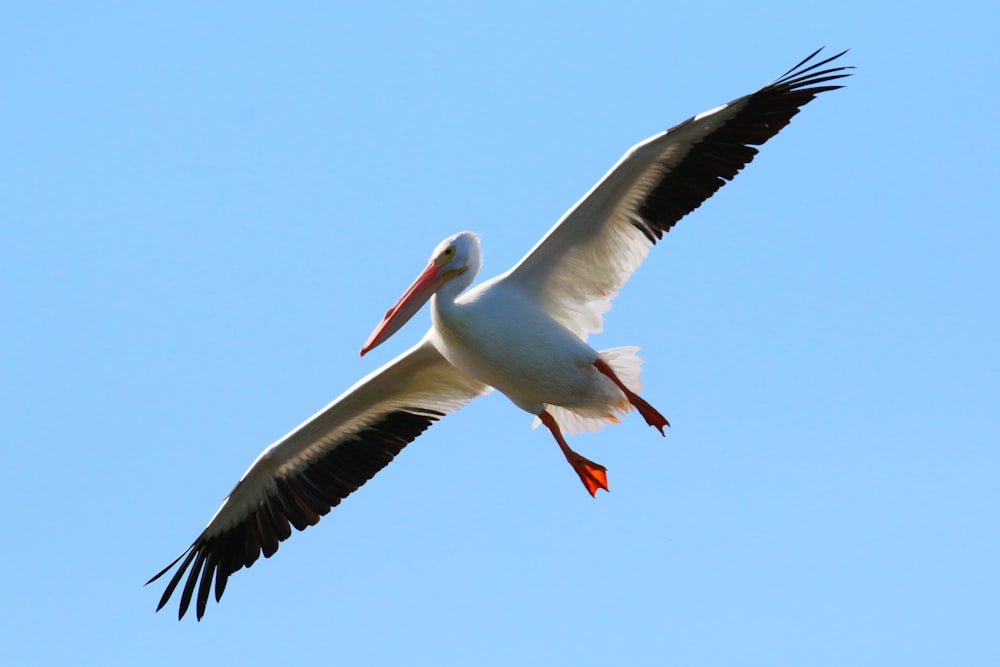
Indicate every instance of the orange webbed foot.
{"type": "Point", "coordinates": [649, 413]}
{"type": "Point", "coordinates": [593, 475]}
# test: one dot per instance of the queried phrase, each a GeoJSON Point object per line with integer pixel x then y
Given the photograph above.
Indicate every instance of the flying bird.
{"type": "Point", "coordinates": [523, 333]}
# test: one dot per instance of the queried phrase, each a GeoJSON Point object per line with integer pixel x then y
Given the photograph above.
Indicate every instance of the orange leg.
{"type": "Point", "coordinates": [648, 412]}
{"type": "Point", "coordinates": [593, 475]}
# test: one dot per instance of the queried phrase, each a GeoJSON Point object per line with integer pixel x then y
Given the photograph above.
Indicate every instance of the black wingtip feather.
{"type": "Point", "coordinates": [168, 567]}
{"type": "Point", "coordinates": [189, 584]}
{"type": "Point", "coordinates": [205, 587]}
{"type": "Point", "coordinates": [190, 553]}
{"type": "Point", "coordinates": [220, 583]}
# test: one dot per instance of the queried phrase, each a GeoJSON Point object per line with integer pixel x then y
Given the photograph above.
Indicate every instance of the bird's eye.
{"type": "Point", "coordinates": [448, 252]}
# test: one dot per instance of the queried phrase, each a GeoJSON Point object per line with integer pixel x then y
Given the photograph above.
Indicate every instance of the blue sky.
{"type": "Point", "coordinates": [207, 207]}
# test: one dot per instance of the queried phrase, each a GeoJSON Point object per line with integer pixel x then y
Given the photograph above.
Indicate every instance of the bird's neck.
{"type": "Point", "coordinates": [443, 301]}
{"type": "Point", "coordinates": [445, 307]}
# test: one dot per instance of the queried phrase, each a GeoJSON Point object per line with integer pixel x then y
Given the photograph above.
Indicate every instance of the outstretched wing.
{"type": "Point", "coordinates": [580, 265]}
{"type": "Point", "coordinates": [299, 478]}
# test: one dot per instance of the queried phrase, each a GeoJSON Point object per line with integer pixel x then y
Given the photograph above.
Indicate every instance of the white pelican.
{"type": "Point", "coordinates": [523, 333]}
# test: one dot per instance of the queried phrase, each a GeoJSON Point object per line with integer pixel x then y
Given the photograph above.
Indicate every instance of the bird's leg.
{"type": "Point", "coordinates": [593, 475]}
{"type": "Point", "coordinates": [648, 412]}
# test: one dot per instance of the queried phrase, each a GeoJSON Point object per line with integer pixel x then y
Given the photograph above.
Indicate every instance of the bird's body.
{"type": "Point", "coordinates": [501, 338]}
{"type": "Point", "coordinates": [523, 333]}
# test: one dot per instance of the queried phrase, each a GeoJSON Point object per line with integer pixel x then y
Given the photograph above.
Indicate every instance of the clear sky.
{"type": "Point", "coordinates": [207, 207]}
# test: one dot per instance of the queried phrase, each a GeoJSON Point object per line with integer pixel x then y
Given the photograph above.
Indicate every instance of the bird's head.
{"type": "Point", "coordinates": [458, 255]}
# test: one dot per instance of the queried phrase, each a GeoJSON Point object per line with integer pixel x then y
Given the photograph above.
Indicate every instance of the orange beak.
{"type": "Point", "coordinates": [415, 296]}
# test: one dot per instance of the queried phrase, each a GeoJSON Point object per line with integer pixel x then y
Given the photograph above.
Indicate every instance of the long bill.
{"type": "Point", "coordinates": [415, 296]}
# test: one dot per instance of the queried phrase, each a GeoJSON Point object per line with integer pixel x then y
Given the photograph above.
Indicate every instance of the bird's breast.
{"type": "Point", "coordinates": [511, 344]}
